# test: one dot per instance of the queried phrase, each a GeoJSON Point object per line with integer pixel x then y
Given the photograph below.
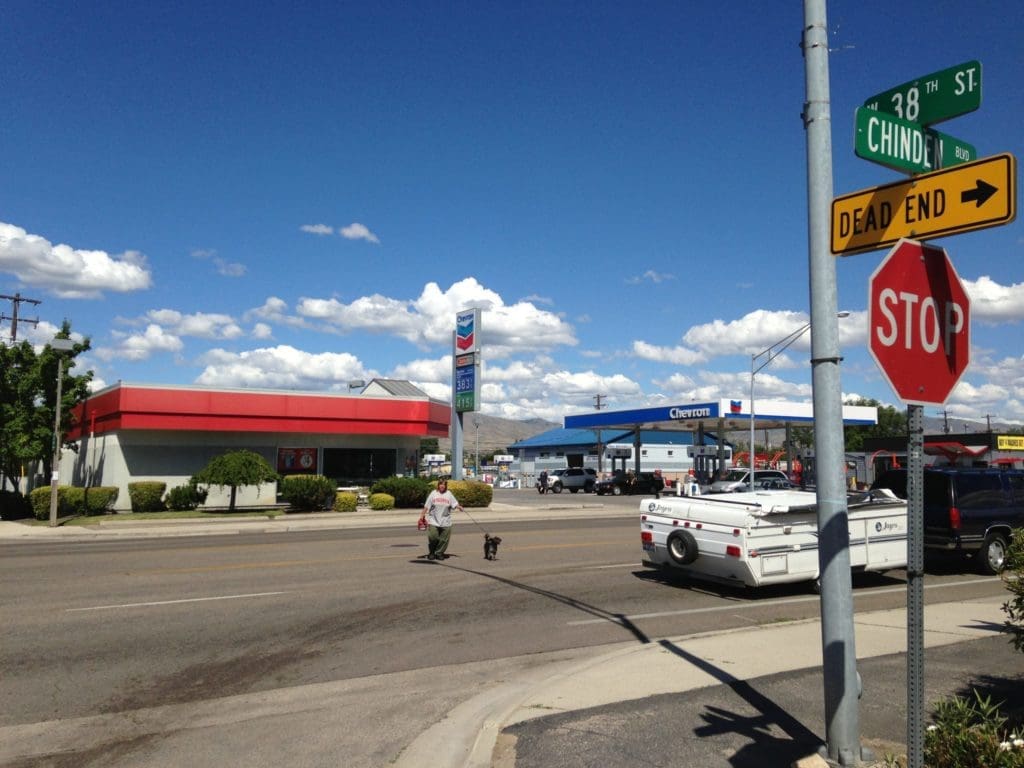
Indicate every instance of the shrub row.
{"type": "Point", "coordinates": [408, 492]}
{"type": "Point", "coordinates": [305, 493]}
{"type": "Point", "coordinates": [73, 501]}
{"type": "Point", "coordinates": [471, 493]}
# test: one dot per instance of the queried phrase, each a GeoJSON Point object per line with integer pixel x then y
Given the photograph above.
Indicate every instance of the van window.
{"type": "Point", "coordinates": [936, 489]}
{"type": "Point", "coordinates": [1016, 482]}
{"type": "Point", "coordinates": [982, 491]}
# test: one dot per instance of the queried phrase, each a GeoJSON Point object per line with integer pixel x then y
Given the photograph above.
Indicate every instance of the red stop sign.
{"type": "Point", "coordinates": [919, 328]}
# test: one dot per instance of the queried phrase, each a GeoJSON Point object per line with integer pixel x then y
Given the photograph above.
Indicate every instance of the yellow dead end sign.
{"type": "Point", "coordinates": [946, 202]}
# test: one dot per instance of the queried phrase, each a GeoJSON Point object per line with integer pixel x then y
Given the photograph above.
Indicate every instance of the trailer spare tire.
{"type": "Point", "coordinates": [682, 547]}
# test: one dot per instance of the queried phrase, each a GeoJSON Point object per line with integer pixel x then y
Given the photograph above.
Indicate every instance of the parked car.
{"type": "Point", "coordinates": [627, 483]}
{"type": "Point", "coordinates": [573, 479]}
{"type": "Point", "coordinates": [738, 479]}
{"type": "Point", "coordinates": [969, 511]}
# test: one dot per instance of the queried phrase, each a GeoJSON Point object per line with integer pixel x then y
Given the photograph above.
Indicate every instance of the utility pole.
{"type": "Point", "coordinates": [839, 668]}
{"type": "Point", "coordinates": [16, 300]}
{"type": "Point", "coordinates": [945, 422]}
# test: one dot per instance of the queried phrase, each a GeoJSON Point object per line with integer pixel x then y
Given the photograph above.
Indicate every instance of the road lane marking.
{"type": "Point", "coordinates": [174, 602]}
{"type": "Point", "coordinates": [348, 559]}
{"type": "Point", "coordinates": [788, 601]}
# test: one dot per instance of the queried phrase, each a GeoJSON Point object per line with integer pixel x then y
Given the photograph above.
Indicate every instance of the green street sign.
{"type": "Point", "coordinates": [905, 146]}
{"type": "Point", "coordinates": [935, 97]}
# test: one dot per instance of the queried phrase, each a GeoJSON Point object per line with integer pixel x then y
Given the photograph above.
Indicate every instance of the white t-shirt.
{"type": "Point", "coordinates": [438, 508]}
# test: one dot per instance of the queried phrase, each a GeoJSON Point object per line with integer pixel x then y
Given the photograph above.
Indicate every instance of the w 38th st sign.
{"type": "Point", "coordinates": [946, 202]}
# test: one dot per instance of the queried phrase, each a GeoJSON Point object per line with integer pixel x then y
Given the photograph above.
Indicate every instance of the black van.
{"type": "Point", "coordinates": [966, 510]}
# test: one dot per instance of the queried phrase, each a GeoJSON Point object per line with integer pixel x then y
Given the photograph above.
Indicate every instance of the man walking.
{"type": "Point", "coordinates": [437, 511]}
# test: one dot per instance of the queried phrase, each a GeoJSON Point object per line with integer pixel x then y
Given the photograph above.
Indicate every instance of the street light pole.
{"type": "Point", "coordinates": [58, 345]}
{"type": "Point", "coordinates": [770, 354]}
{"type": "Point", "coordinates": [476, 465]}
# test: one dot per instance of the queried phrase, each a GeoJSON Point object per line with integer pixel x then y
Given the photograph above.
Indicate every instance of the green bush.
{"type": "Point", "coordinates": [381, 501]}
{"type": "Point", "coordinates": [408, 492]}
{"type": "Point", "coordinates": [185, 497]}
{"type": "Point", "coordinates": [73, 501]}
{"type": "Point", "coordinates": [1013, 578]}
{"type": "Point", "coordinates": [968, 734]}
{"type": "Point", "coordinates": [39, 498]}
{"type": "Point", "coordinates": [100, 499]}
{"type": "Point", "coordinates": [345, 501]}
{"type": "Point", "coordinates": [306, 492]}
{"type": "Point", "coordinates": [147, 495]}
{"type": "Point", "coordinates": [471, 493]}
{"type": "Point", "coordinates": [14, 506]}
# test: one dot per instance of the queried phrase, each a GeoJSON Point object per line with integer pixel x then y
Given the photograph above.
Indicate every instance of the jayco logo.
{"type": "Point", "coordinates": [881, 527]}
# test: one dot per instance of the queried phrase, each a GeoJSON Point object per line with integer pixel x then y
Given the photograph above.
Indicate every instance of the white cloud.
{"type": "Point", "coordinates": [281, 367]}
{"type": "Point", "coordinates": [229, 268]}
{"type": "Point", "coordinates": [674, 355]}
{"type": "Point", "coordinates": [357, 231]}
{"type": "Point", "coordinates": [991, 302]}
{"type": "Point", "coordinates": [140, 346]}
{"type": "Point", "coordinates": [69, 272]}
{"type": "Point", "coordinates": [650, 276]}
{"type": "Point", "coordinates": [429, 319]}
{"type": "Point", "coordinates": [201, 325]}
{"type": "Point", "coordinates": [262, 331]}
{"type": "Point", "coordinates": [317, 229]}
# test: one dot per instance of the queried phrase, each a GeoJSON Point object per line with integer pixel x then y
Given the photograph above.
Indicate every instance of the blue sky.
{"type": "Point", "coordinates": [296, 195]}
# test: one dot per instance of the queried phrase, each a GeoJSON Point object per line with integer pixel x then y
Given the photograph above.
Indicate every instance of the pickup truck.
{"type": "Point", "coordinates": [765, 537]}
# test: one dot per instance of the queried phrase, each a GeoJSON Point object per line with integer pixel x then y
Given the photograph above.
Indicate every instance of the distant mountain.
{"type": "Point", "coordinates": [496, 433]}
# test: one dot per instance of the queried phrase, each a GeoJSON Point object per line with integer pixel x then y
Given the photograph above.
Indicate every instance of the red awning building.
{"type": "Point", "coordinates": [132, 432]}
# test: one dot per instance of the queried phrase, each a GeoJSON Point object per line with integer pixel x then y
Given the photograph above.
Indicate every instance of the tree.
{"type": "Point", "coordinates": [235, 469]}
{"type": "Point", "coordinates": [28, 394]}
{"type": "Point", "coordinates": [892, 422]}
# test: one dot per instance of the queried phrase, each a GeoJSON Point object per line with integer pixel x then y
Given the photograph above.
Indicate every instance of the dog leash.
{"type": "Point", "coordinates": [486, 533]}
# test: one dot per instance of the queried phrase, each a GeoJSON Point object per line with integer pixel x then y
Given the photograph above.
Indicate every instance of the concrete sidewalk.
{"type": "Point", "coordinates": [110, 525]}
{"type": "Point", "coordinates": [633, 678]}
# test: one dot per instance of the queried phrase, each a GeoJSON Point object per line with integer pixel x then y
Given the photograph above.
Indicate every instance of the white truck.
{"type": "Point", "coordinates": [765, 537]}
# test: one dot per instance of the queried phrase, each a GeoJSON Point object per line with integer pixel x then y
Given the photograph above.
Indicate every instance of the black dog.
{"type": "Point", "coordinates": [491, 546]}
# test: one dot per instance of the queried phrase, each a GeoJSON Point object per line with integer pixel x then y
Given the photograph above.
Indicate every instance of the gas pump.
{"type": "Point", "coordinates": [706, 464]}
{"type": "Point", "coordinates": [618, 452]}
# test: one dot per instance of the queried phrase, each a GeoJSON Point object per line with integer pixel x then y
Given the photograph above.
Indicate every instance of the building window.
{"type": "Point", "coordinates": [643, 452]}
{"type": "Point", "coordinates": [670, 453]}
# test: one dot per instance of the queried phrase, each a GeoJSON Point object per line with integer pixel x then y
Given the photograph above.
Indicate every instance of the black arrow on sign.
{"type": "Point", "coordinates": [981, 192]}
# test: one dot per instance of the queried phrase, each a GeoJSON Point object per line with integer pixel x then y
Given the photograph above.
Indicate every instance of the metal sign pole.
{"type": "Point", "coordinates": [915, 587]}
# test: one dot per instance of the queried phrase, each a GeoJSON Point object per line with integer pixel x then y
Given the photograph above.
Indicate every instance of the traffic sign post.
{"type": "Point", "coordinates": [946, 202]}
{"type": "Point", "coordinates": [933, 98]}
{"type": "Point", "coordinates": [905, 146]}
{"type": "Point", "coordinates": [919, 332]}
{"type": "Point", "coordinates": [919, 323]}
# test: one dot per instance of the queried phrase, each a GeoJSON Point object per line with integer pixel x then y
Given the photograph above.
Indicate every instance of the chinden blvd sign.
{"type": "Point", "coordinates": [905, 146]}
{"type": "Point", "coordinates": [945, 202]}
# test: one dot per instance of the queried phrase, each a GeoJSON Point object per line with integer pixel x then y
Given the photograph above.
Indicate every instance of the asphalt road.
{"type": "Point", "coordinates": [107, 627]}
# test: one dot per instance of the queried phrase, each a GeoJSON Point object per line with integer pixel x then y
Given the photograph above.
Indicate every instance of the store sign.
{"type": "Point", "coordinates": [296, 461]}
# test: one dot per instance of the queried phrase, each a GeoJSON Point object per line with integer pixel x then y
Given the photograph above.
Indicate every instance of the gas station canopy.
{"type": "Point", "coordinates": [726, 414]}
